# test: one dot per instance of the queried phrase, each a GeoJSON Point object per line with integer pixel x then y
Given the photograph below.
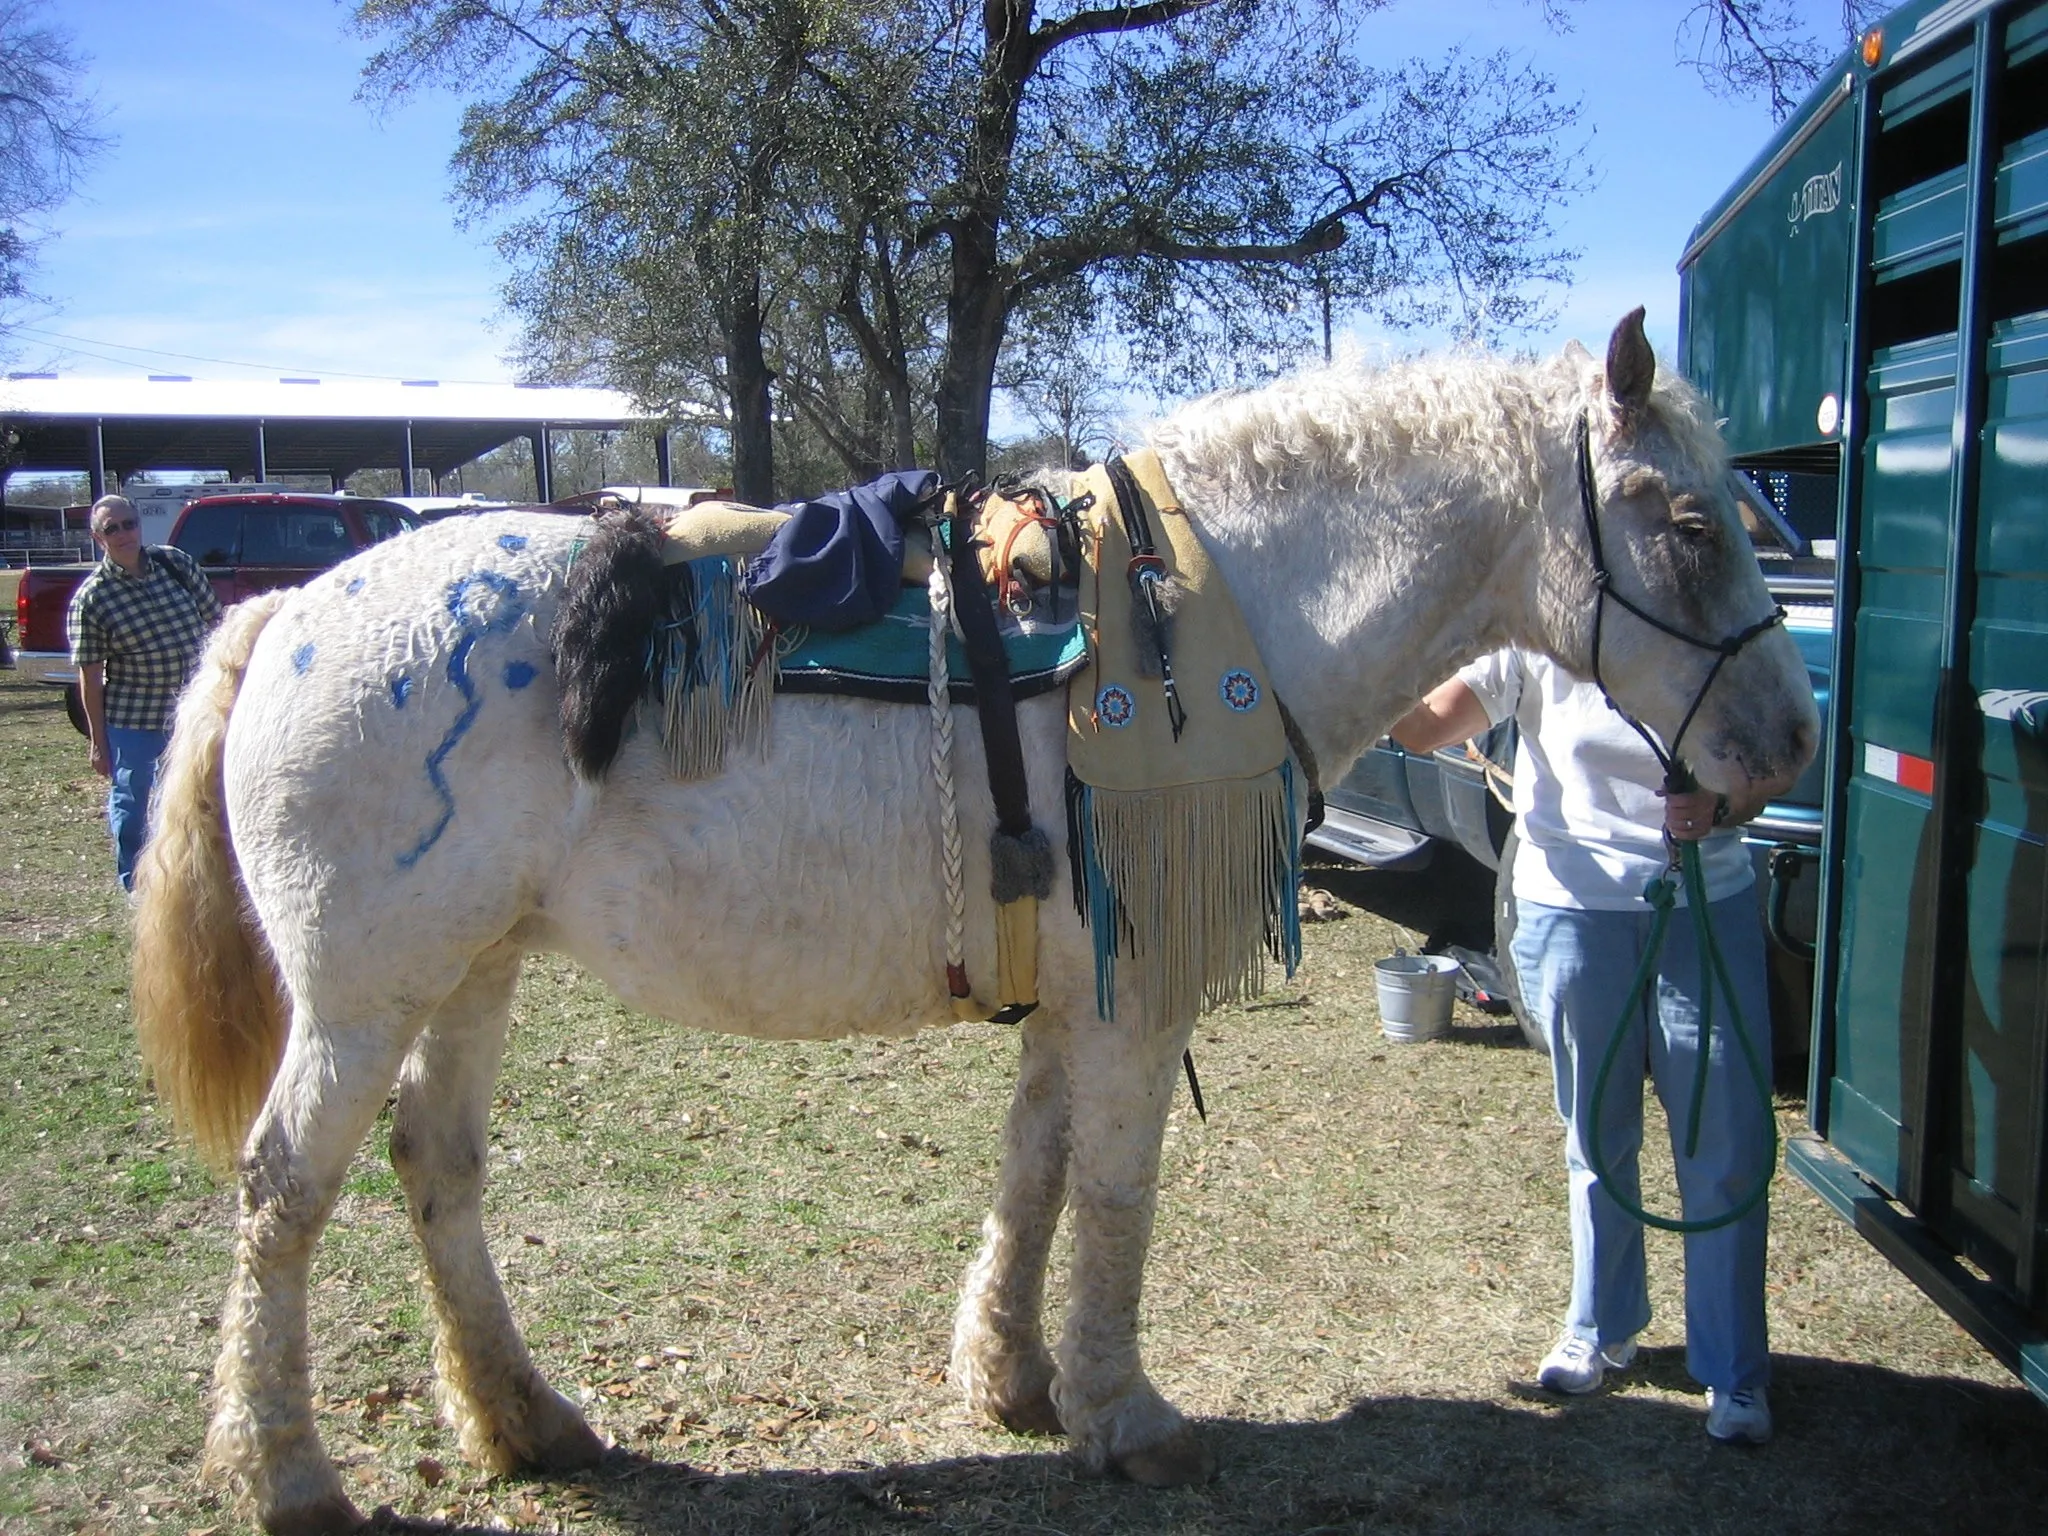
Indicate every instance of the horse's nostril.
{"type": "Point", "coordinates": [1805, 737]}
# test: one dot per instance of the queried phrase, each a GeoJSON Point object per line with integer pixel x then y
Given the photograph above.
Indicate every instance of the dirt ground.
{"type": "Point", "coordinates": [742, 1259]}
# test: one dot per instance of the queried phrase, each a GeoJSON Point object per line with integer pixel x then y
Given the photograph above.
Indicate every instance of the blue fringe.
{"type": "Point", "coordinates": [1101, 911]}
{"type": "Point", "coordinates": [692, 647]}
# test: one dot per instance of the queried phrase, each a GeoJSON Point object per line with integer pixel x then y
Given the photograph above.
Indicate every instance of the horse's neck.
{"type": "Point", "coordinates": [1362, 605]}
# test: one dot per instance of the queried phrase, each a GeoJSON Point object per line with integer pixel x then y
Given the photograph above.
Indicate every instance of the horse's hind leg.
{"type": "Point", "coordinates": [1123, 1077]}
{"type": "Point", "coordinates": [999, 1355]}
{"type": "Point", "coordinates": [327, 1091]}
{"type": "Point", "coordinates": [504, 1413]}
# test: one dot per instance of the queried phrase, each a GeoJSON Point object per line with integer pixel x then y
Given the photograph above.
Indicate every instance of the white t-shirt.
{"type": "Point", "coordinates": [1586, 798]}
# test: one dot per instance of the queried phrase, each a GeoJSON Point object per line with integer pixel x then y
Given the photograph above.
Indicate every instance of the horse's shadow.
{"type": "Point", "coordinates": [1858, 1448]}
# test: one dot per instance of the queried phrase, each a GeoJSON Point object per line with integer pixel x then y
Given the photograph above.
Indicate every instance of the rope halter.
{"type": "Point", "coordinates": [1676, 774]}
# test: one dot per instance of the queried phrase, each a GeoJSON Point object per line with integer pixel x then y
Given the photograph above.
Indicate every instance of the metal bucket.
{"type": "Point", "coordinates": [1416, 992]}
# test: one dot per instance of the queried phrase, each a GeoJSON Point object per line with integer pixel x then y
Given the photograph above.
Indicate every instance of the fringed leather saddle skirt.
{"type": "Point", "coordinates": [1181, 826]}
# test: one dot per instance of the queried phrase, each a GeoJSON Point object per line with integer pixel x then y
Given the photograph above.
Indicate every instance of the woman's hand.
{"type": "Point", "coordinates": [1690, 815]}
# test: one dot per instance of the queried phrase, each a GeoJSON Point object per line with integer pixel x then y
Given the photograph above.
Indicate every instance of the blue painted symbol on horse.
{"type": "Point", "coordinates": [518, 674]}
{"type": "Point", "coordinates": [481, 603]}
{"type": "Point", "coordinates": [401, 690]}
{"type": "Point", "coordinates": [302, 659]}
{"type": "Point", "coordinates": [512, 543]}
{"type": "Point", "coordinates": [355, 585]}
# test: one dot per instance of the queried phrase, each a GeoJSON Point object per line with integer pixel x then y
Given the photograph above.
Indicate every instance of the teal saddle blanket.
{"type": "Point", "coordinates": [890, 659]}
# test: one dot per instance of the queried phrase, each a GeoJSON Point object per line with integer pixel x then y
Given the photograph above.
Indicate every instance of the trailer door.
{"type": "Point", "coordinates": [1932, 1061]}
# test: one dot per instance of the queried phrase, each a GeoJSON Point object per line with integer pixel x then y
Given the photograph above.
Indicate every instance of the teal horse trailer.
{"type": "Point", "coordinates": [1868, 308]}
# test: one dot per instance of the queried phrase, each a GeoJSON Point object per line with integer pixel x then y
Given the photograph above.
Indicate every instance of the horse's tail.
{"type": "Point", "coordinates": [209, 1008]}
{"type": "Point", "coordinates": [618, 587]}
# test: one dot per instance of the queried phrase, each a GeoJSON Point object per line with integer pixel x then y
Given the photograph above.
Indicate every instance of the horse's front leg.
{"type": "Point", "coordinates": [1000, 1359]}
{"type": "Point", "coordinates": [504, 1412]}
{"type": "Point", "coordinates": [327, 1090]}
{"type": "Point", "coordinates": [1122, 1077]}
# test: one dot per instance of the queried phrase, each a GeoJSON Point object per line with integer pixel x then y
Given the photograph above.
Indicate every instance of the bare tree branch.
{"type": "Point", "coordinates": [1763, 47]}
{"type": "Point", "coordinates": [49, 134]}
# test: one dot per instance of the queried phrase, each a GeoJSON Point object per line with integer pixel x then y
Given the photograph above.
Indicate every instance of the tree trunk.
{"type": "Point", "coordinates": [879, 338]}
{"type": "Point", "coordinates": [978, 307]}
{"type": "Point", "coordinates": [746, 383]}
{"type": "Point", "coordinates": [978, 314]}
{"type": "Point", "coordinates": [746, 362]}
{"type": "Point", "coordinates": [896, 378]}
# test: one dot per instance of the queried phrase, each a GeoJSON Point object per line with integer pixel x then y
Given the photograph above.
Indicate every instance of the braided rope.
{"type": "Point", "coordinates": [1500, 782]}
{"type": "Point", "coordinates": [939, 692]}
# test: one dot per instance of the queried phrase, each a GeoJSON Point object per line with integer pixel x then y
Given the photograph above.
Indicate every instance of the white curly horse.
{"type": "Point", "coordinates": [367, 821]}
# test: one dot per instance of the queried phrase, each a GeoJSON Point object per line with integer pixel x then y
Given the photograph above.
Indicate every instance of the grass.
{"type": "Point", "coordinates": [743, 1258]}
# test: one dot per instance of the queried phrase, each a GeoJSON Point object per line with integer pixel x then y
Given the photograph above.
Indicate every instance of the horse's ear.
{"type": "Point", "coordinates": [1631, 365]}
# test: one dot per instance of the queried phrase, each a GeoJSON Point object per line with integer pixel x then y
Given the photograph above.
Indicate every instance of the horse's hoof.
{"type": "Point", "coordinates": [562, 1441]}
{"type": "Point", "coordinates": [1181, 1459]}
{"type": "Point", "coordinates": [331, 1516]}
{"type": "Point", "coordinates": [1035, 1415]}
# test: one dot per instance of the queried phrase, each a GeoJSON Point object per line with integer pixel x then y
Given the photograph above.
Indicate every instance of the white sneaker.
{"type": "Point", "coordinates": [1739, 1418]}
{"type": "Point", "coordinates": [1578, 1366]}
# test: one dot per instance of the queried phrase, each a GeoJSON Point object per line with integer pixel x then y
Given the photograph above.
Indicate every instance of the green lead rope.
{"type": "Point", "coordinates": [1660, 894]}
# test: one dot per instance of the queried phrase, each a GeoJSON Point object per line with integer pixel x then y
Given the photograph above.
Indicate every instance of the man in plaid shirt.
{"type": "Point", "coordinates": [136, 625]}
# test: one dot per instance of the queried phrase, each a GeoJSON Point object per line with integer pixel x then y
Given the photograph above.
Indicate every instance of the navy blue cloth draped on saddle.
{"type": "Point", "coordinates": [836, 564]}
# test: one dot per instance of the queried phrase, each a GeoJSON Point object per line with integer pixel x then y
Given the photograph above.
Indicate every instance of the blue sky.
{"type": "Point", "coordinates": [253, 212]}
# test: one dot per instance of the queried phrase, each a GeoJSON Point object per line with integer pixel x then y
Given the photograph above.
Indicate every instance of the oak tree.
{"type": "Point", "coordinates": [834, 213]}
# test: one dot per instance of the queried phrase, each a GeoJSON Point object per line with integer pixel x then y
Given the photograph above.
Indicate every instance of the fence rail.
{"type": "Point", "coordinates": [18, 555]}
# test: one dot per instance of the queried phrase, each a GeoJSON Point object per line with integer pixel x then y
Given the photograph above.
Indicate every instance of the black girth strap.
{"type": "Point", "coordinates": [990, 669]}
{"type": "Point", "coordinates": [996, 705]}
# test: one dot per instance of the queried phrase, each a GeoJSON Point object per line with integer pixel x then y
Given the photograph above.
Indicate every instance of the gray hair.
{"type": "Point", "coordinates": [111, 502]}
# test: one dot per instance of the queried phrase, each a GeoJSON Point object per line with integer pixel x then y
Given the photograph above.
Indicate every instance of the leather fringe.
{"type": "Point", "coordinates": [1194, 885]}
{"type": "Point", "coordinates": [715, 678]}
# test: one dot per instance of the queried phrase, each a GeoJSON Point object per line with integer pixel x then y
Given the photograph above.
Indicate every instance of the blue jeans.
{"type": "Point", "coordinates": [134, 755]}
{"type": "Point", "coordinates": [1575, 968]}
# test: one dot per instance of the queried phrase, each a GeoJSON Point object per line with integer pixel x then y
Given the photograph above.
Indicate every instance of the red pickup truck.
{"type": "Point", "coordinates": [246, 544]}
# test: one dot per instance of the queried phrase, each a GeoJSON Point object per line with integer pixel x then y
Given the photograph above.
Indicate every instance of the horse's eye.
{"type": "Point", "coordinates": [1689, 519]}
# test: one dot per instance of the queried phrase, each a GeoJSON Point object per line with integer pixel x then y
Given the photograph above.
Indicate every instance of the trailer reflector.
{"type": "Point", "coordinates": [1900, 768]}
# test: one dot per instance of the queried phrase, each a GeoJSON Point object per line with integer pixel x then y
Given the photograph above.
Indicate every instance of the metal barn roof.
{"type": "Point", "coordinates": [292, 426]}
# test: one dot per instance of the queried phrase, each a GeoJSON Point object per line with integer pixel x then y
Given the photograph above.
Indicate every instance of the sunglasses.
{"type": "Point", "coordinates": [126, 525]}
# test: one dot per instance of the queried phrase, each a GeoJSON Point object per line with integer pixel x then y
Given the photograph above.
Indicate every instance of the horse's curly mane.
{"type": "Point", "coordinates": [1350, 427]}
